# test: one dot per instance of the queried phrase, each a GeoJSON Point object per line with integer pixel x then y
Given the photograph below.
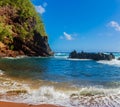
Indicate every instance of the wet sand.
{"type": "Point", "coordinates": [10, 104]}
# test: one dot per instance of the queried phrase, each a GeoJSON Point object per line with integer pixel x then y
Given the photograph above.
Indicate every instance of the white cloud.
{"type": "Point", "coordinates": [67, 36]}
{"type": "Point", "coordinates": [40, 9]}
{"type": "Point", "coordinates": [115, 25]}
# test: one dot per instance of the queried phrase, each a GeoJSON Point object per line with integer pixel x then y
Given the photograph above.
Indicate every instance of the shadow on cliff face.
{"type": "Point", "coordinates": [37, 46]}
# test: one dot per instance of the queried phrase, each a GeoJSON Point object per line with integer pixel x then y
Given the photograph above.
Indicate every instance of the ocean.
{"type": "Point", "coordinates": [61, 81]}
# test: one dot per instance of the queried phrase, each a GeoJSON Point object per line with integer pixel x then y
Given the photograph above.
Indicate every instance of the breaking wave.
{"type": "Point", "coordinates": [79, 97]}
{"type": "Point", "coordinates": [113, 62]}
{"type": "Point", "coordinates": [84, 97]}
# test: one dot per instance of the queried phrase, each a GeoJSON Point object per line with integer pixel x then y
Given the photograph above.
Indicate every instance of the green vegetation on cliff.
{"type": "Point", "coordinates": [18, 18]}
{"type": "Point", "coordinates": [22, 30]}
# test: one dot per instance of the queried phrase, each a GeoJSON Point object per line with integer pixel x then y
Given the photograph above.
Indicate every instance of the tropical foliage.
{"type": "Point", "coordinates": [24, 20]}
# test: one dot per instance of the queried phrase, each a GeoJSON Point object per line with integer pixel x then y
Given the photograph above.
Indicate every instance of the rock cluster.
{"type": "Point", "coordinates": [93, 56]}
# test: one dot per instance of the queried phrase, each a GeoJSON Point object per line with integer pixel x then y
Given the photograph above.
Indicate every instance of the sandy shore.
{"type": "Point", "coordinates": [9, 104]}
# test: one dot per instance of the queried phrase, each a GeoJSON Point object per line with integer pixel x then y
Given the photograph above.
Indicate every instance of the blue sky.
{"type": "Point", "coordinates": [89, 25]}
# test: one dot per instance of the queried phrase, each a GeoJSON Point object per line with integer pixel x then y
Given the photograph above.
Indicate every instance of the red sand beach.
{"type": "Point", "coordinates": [9, 104]}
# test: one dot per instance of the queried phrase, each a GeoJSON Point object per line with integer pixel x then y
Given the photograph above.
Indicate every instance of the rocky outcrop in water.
{"type": "Point", "coordinates": [93, 56]}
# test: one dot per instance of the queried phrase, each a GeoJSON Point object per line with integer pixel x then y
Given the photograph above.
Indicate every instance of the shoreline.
{"type": "Point", "coordinates": [13, 104]}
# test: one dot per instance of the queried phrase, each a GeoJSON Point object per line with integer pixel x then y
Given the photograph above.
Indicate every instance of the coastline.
{"type": "Point", "coordinates": [12, 104]}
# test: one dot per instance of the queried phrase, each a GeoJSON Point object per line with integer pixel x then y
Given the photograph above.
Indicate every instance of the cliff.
{"type": "Point", "coordinates": [22, 30]}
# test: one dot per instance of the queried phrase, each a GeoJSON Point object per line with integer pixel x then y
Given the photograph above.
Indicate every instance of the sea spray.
{"type": "Point", "coordinates": [113, 62]}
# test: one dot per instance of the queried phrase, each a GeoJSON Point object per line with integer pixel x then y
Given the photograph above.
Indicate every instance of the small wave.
{"type": "Point", "coordinates": [7, 85]}
{"type": "Point", "coordinates": [18, 57]}
{"type": "Point", "coordinates": [61, 55]}
{"type": "Point", "coordinates": [113, 62]}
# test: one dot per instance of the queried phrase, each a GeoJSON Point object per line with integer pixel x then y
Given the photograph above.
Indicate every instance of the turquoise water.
{"type": "Point", "coordinates": [60, 80]}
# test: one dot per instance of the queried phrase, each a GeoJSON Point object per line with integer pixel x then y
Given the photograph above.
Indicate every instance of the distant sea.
{"type": "Point", "coordinates": [61, 81]}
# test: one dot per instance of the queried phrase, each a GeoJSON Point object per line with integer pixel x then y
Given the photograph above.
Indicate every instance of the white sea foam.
{"type": "Point", "coordinates": [7, 85]}
{"type": "Point", "coordinates": [83, 97]}
{"type": "Point", "coordinates": [61, 55]}
{"type": "Point", "coordinates": [96, 97]}
{"type": "Point", "coordinates": [113, 62]}
{"type": "Point", "coordinates": [48, 95]}
{"type": "Point", "coordinates": [79, 97]}
{"type": "Point", "coordinates": [18, 57]}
